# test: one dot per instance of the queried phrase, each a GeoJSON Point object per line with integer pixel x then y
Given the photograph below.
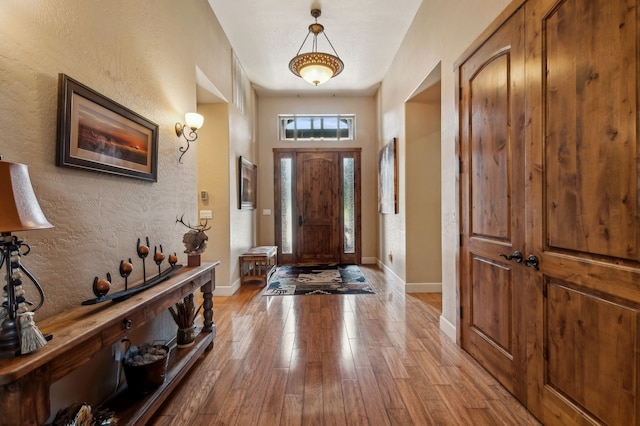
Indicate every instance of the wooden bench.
{"type": "Point", "coordinates": [258, 264]}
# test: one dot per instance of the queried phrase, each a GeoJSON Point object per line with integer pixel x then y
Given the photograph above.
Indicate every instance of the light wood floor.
{"type": "Point", "coordinates": [337, 360]}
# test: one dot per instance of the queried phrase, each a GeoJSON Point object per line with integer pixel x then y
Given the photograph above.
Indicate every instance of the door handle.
{"type": "Point", "coordinates": [299, 220]}
{"type": "Point", "coordinates": [532, 262]}
{"type": "Point", "coordinates": [517, 256]}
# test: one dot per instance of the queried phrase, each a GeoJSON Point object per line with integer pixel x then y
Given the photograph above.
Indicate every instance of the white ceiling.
{"type": "Point", "coordinates": [266, 34]}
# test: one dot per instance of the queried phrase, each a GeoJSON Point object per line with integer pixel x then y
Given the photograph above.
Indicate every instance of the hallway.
{"type": "Point", "coordinates": [353, 359]}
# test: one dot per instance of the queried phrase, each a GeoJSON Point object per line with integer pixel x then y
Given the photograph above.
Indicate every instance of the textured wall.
{"type": "Point", "coordinates": [242, 223]}
{"type": "Point", "coordinates": [142, 54]}
{"type": "Point", "coordinates": [440, 32]}
{"type": "Point", "coordinates": [126, 51]}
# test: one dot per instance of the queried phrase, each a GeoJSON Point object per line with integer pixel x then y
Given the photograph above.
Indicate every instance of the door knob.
{"type": "Point", "coordinates": [532, 262]}
{"type": "Point", "coordinates": [517, 256]}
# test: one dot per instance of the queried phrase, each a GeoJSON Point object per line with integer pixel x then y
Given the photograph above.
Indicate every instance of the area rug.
{"type": "Point", "coordinates": [336, 279]}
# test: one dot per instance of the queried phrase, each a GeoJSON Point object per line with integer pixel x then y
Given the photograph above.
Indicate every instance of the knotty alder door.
{"type": "Point", "coordinates": [317, 195]}
{"type": "Point", "coordinates": [582, 92]}
{"type": "Point", "coordinates": [492, 160]}
{"type": "Point", "coordinates": [566, 195]}
{"type": "Point", "coordinates": [318, 207]}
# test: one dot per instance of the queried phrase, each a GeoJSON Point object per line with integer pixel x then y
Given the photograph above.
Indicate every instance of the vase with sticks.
{"type": "Point", "coordinates": [184, 314]}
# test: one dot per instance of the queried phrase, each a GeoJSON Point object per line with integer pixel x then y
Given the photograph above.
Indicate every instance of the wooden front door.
{"type": "Point", "coordinates": [317, 206]}
{"type": "Point", "coordinates": [492, 206]}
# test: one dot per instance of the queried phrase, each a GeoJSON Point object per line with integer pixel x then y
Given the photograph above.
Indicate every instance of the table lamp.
{"type": "Point", "coordinates": [19, 211]}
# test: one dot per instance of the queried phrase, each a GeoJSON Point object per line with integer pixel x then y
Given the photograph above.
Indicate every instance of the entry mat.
{"type": "Point", "coordinates": [317, 279]}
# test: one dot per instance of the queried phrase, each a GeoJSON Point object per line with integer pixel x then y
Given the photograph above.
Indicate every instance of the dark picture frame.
{"type": "Point", "coordinates": [98, 134]}
{"type": "Point", "coordinates": [247, 181]}
{"type": "Point", "coordinates": [388, 179]}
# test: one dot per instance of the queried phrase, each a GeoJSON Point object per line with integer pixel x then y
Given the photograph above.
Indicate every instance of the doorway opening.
{"type": "Point", "coordinates": [423, 172]}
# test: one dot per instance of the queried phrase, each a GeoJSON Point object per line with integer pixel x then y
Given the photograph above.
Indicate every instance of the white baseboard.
{"type": "Point", "coordinates": [228, 290]}
{"type": "Point", "coordinates": [412, 287]}
{"type": "Point", "coordinates": [447, 328]}
{"type": "Point", "coordinates": [388, 270]}
{"type": "Point", "coordinates": [423, 288]}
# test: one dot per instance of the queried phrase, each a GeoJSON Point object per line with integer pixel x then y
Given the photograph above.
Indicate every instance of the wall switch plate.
{"type": "Point", "coordinates": [206, 214]}
{"type": "Point", "coordinates": [266, 212]}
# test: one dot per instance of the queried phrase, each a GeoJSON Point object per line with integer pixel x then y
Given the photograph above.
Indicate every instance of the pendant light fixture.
{"type": "Point", "coordinates": [316, 67]}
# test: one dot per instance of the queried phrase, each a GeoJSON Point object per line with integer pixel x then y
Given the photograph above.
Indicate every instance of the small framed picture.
{"type": "Point", "coordinates": [98, 134]}
{"type": "Point", "coordinates": [247, 183]}
{"type": "Point", "coordinates": [388, 179]}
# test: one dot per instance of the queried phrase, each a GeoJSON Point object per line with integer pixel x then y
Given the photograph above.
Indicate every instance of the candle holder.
{"type": "Point", "coordinates": [143, 252]}
{"type": "Point", "coordinates": [158, 257]}
{"type": "Point", "coordinates": [125, 270]}
{"type": "Point", "coordinates": [101, 287]}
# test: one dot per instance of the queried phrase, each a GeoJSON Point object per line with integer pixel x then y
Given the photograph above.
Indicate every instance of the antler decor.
{"type": "Point", "coordinates": [195, 240]}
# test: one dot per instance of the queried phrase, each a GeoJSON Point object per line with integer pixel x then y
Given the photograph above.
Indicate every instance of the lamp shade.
{"type": "Point", "coordinates": [316, 67]}
{"type": "Point", "coordinates": [316, 74]}
{"type": "Point", "coordinates": [193, 120]}
{"type": "Point", "coordinates": [19, 208]}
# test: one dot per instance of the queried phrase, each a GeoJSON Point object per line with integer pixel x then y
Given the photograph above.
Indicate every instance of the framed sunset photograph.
{"type": "Point", "coordinates": [98, 134]}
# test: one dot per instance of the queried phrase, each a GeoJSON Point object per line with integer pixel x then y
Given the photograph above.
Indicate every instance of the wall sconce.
{"type": "Point", "coordinates": [193, 122]}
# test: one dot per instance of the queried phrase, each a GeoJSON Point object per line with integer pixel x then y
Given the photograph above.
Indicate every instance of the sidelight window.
{"type": "Point", "coordinates": [286, 204]}
{"type": "Point", "coordinates": [349, 204]}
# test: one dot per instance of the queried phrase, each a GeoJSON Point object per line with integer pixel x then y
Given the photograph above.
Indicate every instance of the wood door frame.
{"type": "Point", "coordinates": [282, 153]}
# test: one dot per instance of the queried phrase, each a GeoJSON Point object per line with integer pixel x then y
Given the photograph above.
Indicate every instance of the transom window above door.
{"type": "Point", "coordinates": [316, 127]}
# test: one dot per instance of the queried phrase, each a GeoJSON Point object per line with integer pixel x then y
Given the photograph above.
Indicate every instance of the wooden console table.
{"type": "Point", "coordinates": [81, 332]}
{"type": "Point", "coordinates": [258, 264]}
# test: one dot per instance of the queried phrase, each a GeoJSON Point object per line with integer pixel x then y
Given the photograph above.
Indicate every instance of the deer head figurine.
{"type": "Point", "coordinates": [195, 240]}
